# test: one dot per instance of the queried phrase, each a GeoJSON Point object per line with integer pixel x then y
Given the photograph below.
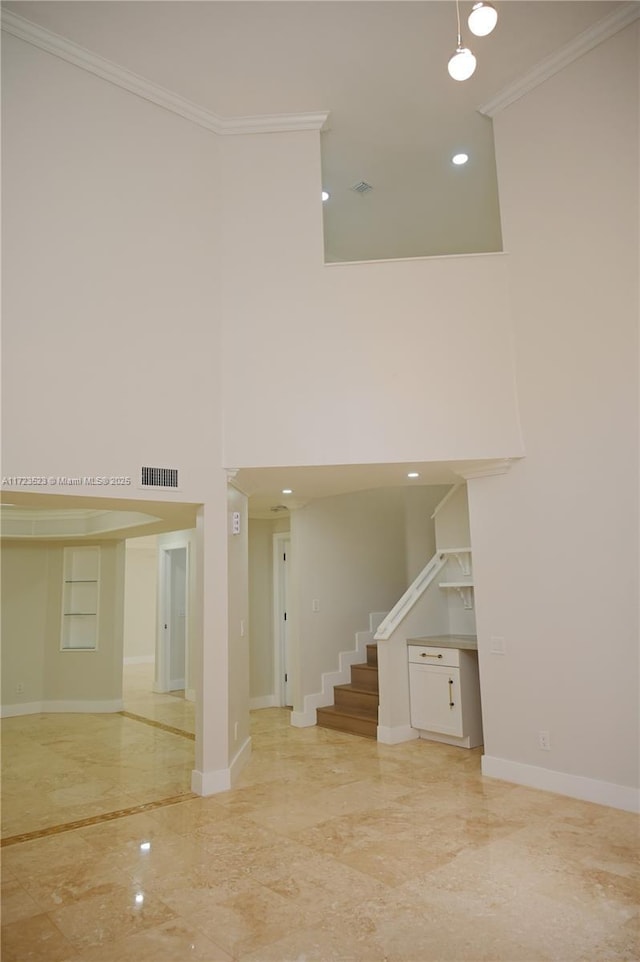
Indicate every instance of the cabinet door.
{"type": "Point", "coordinates": [434, 693]}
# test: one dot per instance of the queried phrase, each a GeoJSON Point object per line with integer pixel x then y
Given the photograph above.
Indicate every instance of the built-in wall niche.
{"type": "Point", "coordinates": [80, 598]}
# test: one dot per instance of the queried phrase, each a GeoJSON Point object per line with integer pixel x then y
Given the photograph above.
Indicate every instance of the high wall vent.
{"type": "Point", "coordinates": [160, 477]}
{"type": "Point", "coordinates": [362, 187]}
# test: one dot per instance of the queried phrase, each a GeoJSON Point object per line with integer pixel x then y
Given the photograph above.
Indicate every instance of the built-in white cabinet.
{"type": "Point", "coordinates": [80, 597]}
{"type": "Point", "coordinates": [444, 691]}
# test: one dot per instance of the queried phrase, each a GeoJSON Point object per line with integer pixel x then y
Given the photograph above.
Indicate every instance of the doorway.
{"type": "Point", "coordinates": [172, 648]}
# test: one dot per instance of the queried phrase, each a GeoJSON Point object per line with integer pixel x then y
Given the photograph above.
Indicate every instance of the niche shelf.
{"type": "Point", "coordinates": [80, 598]}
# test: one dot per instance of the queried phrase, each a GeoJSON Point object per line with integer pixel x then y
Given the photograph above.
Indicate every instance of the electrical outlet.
{"type": "Point", "coordinates": [20, 688]}
{"type": "Point", "coordinates": [315, 604]}
{"type": "Point", "coordinates": [544, 741]}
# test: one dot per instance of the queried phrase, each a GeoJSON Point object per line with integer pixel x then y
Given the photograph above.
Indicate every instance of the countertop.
{"type": "Point", "coordinates": [465, 642]}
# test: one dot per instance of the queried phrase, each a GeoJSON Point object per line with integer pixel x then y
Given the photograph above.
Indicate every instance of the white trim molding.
{"type": "Point", "coordinates": [484, 469]}
{"type": "Point", "coordinates": [562, 783]}
{"type": "Point", "coordinates": [221, 780]}
{"type": "Point", "coordinates": [396, 734]}
{"type": "Point", "coordinates": [113, 73]}
{"type": "Point", "coordinates": [621, 17]}
{"type": "Point", "coordinates": [263, 701]}
{"type": "Point", "coordinates": [139, 660]}
{"type": "Point", "coordinates": [57, 707]}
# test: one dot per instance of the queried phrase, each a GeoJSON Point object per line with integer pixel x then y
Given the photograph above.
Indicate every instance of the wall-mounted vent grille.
{"type": "Point", "coordinates": [362, 187]}
{"type": "Point", "coordinates": [160, 477]}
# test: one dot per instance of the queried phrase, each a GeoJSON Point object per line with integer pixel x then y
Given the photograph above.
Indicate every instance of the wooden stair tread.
{"type": "Point", "coordinates": [350, 712]}
{"type": "Point", "coordinates": [356, 688]}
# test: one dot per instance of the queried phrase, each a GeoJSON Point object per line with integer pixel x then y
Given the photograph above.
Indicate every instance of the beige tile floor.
{"type": "Point", "coordinates": [331, 848]}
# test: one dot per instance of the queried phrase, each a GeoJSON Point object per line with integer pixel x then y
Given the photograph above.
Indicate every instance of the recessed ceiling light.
{"type": "Point", "coordinates": [325, 195]}
{"type": "Point", "coordinates": [413, 474]}
{"type": "Point", "coordinates": [287, 491]}
{"type": "Point", "coordinates": [459, 159]}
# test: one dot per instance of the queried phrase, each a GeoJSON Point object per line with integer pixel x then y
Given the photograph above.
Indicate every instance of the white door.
{"type": "Point", "coordinates": [171, 653]}
{"type": "Point", "coordinates": [434, 694]}
{"type": "Point", "coordinates": [282, 648]}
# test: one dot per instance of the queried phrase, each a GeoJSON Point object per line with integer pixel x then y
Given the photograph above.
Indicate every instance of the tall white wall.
{"type": "Point", "coordinates": [556, 539]}
{"type": "Point", "coordinates": [352, 363]}
{"type": "Point", "coordinates": [109, 293]}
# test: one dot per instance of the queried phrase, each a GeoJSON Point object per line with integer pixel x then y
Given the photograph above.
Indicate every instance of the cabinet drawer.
{"type": "Point", "coordinates": [426, 655]}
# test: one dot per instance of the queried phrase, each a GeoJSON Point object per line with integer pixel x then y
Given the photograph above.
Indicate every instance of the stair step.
{"type": "Point", "coordinates": [365, 676]}
{"type": "Point", "coordinates": [352, 697]}
{"type": "Point", "coordinates": [372, 655]}
{"type": "Point", "coordinates": [351, 722]}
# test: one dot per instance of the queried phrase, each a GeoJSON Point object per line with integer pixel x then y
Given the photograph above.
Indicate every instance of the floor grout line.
{"type": "Point", "coordinates": [157, 724]}
{"type": "Point", "coordinates": [96, 819]}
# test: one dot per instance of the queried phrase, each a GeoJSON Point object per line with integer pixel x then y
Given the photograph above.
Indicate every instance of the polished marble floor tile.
{"type": "Point", "coordinates": [331, 848]}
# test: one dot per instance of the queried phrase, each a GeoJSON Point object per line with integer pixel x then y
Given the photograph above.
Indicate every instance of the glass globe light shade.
{"type": "Point", "coordinates": [482, 19]}
{"type": "Point", "coordinates": [462, 64]}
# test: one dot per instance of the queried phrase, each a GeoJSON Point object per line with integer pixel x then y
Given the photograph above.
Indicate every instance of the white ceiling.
{"type": "Point", "coordinates": [379, 68]}
{"type": "Point", "coordinates": [396, 118]}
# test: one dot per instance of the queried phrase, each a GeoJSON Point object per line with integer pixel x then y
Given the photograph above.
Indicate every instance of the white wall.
{"type": "Point", "coordinates": [55, 680]}
{"type": "Point", "coordinates": [109, 294]}
{"type": "Point", "coordinates": [140, 599]}
{"type": "Point", "coordinates": [239, 628]}
{"type": "Point", "coordinates": [25, 584]}
{"type": "Point", "coordinates": [349, 555]}
{"type": "Point", "coordinates": [420, 532]}
{"type": "Point", "coordinates": [556, 539]}
{"type": "Point", "coordinates": [390, 364]}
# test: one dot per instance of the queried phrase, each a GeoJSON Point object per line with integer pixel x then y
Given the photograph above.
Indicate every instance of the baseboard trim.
{"type": "Point", "coordinates": [396, 734]}
{"type": "Point", "coordinates": [139, 660]}
{"type": "Point", "coordinates": [221, 780]}
{"type": "Point", "coordinates": [62, 707]}
{"type": "Point", "coordinates": [304, 719]}
{"type": "Point", "coordinates": [465, 742]}
{"type": "Point", "coordinates": [210, 783]}
{"type": "Point", "coordinates": [190, 694]}
{"type": "Point", "coordinates": [562, 783]}
{"type": "Point", "coordinates": [262, 701]}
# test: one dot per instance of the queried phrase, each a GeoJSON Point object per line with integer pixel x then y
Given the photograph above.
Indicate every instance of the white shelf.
{"type": "Point", "coordinates": [462, 556]}
{"type": "Point", "coordinates": [464, 589]}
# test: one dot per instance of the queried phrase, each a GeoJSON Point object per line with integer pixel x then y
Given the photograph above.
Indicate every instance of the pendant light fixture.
{"type": "Point", "coordinates": [462, 65]}
{"type": "Point", "coordinates": [482, 19]}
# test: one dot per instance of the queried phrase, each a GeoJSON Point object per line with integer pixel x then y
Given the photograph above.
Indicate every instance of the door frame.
{"type": "Point", "coordinates": [281, 544]}
{"type": "Point", "coordinates": [161, 682]}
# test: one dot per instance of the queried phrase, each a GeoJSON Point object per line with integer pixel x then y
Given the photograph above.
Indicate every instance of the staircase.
{"type": "Point", "coordinates": [355, 708]}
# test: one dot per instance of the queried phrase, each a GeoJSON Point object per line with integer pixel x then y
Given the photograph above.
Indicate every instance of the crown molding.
{"type": "Point", "coordinates": [583, 43]}
{"type": "Point", "coordinates": [99, 66]}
